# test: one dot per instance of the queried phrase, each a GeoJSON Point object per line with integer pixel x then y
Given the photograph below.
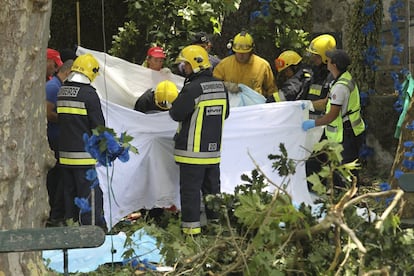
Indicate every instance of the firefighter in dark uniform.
{"type": "Point", "coordinates": [79, 111]}
{"type": "Point", "coordinates": [200, 108]}
{"type": "Point", "coordinates": [297, 77]}
{"type": "Point", "coordinates": [156, 100]}
{"type": "Point", "coordinates": [322, 78]}
{"type": "Point", "coordinates": [319, 90]}
{"type": "Point", "coordinates": [159, 99]}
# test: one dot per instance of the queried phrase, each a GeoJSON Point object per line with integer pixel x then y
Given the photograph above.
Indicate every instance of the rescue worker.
{"type": "Point", "coordinates": [245, 67]}
{"type": "Point", "coordinates": [200, 108]}
{"type": "Point", "coordinates": [202, 39]}
{"type": "Point", "coordinates": [343, 111]}
{"type": "Point", "coordinates": [322, 78]}
{"type": "Point", "coordinates": [297, 77]}
{"type": "Point", "coordinates": [319, 89]}
{"type": "Point", "coordinates": [153, 101]}
{"type": "Point", "coordinates": [159, 99]}
{"type": "Point", "coordinates": [79, 111]}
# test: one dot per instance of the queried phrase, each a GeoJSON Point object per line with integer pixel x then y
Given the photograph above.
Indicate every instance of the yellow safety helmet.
{"type": "Point", "coordinates": [86, 64]}
{"type": "Point", "coordinates": [196, 55]}
{"type": "Point", "coordinates": [165, 94]}
{"type": "Point", "coordinates": [286, 59]}
{"type": "Point", "coordinates": [243, 43]}
{"type": "Point", "coordinates": [321, 44]}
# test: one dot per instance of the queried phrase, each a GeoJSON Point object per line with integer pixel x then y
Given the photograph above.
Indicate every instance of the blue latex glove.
{"type": "Point", "coordinates": [308, 124]}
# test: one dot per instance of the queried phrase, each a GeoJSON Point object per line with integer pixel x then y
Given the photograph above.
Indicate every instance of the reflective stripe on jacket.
{"type": "Point", "coordinates": [76, 158]}
{"type": "Point", "coordinates": [321, 80]}
{"type": "Point", "coordinates": [200, 108]}
{"type": "Point", "coordinates": [334, 131]}
{"type": "Point", "coordinates": [294, 88]}
{"type": "Point", "coordinates": [79, 111]}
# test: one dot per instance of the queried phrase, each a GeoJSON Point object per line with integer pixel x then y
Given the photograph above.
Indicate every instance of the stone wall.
{"type": "Point", "coordinates": [381, 119]}
{"type": "Point", "coordinates": [331, 17]}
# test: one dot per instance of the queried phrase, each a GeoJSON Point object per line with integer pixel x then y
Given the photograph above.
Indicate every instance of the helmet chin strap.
{"type": "Point", "coordinates": [78, 77]}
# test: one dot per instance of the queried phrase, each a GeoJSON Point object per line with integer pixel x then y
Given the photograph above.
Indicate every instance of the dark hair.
{"type": "Point", "coordinates": [296, 67]}
{"type": "Point", "coordinates": [200, 38]}
{"type": "Point", "coordinates": [67, 65]}
{"type": "Point", "coordinates": [340, 58]}
{"type": "Point", "coordinates": [67, 53]}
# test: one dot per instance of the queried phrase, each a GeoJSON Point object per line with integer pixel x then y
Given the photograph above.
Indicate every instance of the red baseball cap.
{"type": "Point", "coordinates": [53, 54]}
{"type": "Point", "coordinates": [156, 52]}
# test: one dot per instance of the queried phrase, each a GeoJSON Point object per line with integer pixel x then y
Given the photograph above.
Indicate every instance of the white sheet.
{"type": "Point", "coordinates": [122, 82]}
{"type": "Point", "coordinates": [151, 177]}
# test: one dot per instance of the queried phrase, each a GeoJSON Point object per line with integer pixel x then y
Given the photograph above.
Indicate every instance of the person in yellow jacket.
{"type": "Point", "coordinates": [245, 67]}
{"type": "Point", "coordinates": [342, 119]}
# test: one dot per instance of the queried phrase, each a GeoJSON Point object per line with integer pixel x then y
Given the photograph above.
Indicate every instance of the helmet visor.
{"type": "Point", "coordinates": [242, 47]}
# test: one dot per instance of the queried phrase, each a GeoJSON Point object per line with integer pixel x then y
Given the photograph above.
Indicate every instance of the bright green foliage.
{"type": "Point", "coordinates": [291, 39]}
{"type": "Point", "coordinates": [169, 24]}
{"type": "Point", "coordinates": [283, 164]}
{"type": "Point", "coordinates": [333, 154]}
{"type": "Point", "coordinates": [124, 42]}
{"type": "Point", "coordinates": [251, 210]}
{"type": "Point", "coordinates": [262, 233]}
{"type": "Point", "coordinates": [287, 23]}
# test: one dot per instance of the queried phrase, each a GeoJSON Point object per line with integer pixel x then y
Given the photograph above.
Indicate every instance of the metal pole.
{"type": "Point", "coordinates": [65, 262]}
{"type": "Point", "coordinates": [78, 22]}
{"type": "Point", "coordinates": [93, 222]}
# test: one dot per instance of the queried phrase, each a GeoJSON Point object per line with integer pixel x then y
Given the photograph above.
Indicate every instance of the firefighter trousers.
{"type": "Point", "coordinates": [193, 179]}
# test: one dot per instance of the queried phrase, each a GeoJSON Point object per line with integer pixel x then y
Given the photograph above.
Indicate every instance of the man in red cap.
{"type": "Point", "coordinates": [155, 58]}
{"type": "Point", "coordinates": [53, 63]}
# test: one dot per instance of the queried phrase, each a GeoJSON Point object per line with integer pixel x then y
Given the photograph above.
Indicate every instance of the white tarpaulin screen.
{"type": "Point", "coordinates": [122, 82]}
{"type": "Point", "coordinates": [151, 178]}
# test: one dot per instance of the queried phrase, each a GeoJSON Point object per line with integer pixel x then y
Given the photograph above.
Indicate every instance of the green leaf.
{"type": "Point", "coordinates": [336, 153]}
{"type": "Point", "coordinates": [325, 172]}
{"type": "Point", "coordinates": [250, 210]}
{"type": "Point", "coordinates": [317, 185]}
{"type": "Point", "coordinates": [320, 145]}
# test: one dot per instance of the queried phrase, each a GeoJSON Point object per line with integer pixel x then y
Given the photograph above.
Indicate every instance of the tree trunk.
{"type": "Point", "coordinates": [23, 198]}
{"type": "Point", "coordinates": [406, 135]}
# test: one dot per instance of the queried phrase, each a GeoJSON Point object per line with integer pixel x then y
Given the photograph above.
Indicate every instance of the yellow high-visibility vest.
{"type": "Point", "coordinates": [335, 130]}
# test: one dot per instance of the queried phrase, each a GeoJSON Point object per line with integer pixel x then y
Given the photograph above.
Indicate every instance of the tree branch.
{"type": "Point", "coordinates": [398, 195]}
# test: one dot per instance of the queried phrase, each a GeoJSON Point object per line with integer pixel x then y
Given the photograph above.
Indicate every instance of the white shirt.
{"type": "Point", "coordinates": [339, 95]}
